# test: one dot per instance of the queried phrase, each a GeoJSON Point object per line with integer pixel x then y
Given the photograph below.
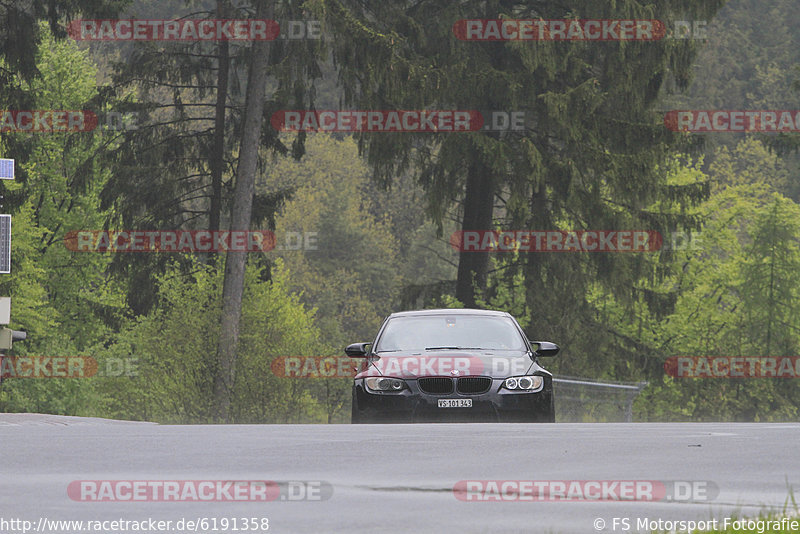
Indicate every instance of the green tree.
{"type": "Point", "coordinates": [62, 298]}
{"type": "Point", "coordinates": [592, 142]}
{"type": "Point", "coordinates": [20, 38]}
{"type": "Point", "coordinates": [176, 169]}
{"type": "Point", "coordinates": [733, 295]}
{"type": "Point", "coordinates": [351, 275]}
{"type": "Point", "coordinates": [174, 347]}
{"type": "Point", "coordinates": [771, 281]}
{"type": "Point", "coordinates": [735, 167]}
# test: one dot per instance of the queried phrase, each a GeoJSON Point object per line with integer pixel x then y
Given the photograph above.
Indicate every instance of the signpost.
{"type": "Point", "coordinates": [6, 334]}
{"type": "Point", "coordinates": [5, 244]}
{"type": "Point", "coordinates": [6, 173]}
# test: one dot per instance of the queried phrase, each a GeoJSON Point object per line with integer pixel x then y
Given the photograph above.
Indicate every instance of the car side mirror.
{"type": "Point", "coordinates": [357, 350]}
{"type": "Point", "coordinates": [544, 348]}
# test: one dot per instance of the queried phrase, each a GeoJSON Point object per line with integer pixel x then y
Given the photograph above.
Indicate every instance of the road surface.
{"type": "Point", "coordinates": [392, 478]}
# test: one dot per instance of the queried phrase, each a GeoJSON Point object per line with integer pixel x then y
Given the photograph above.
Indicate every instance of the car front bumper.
{"type": "Point", "coordinates": [413, 406]}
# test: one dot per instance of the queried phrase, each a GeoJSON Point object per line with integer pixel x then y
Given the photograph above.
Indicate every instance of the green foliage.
{"type": "Point", "coordinates": [63, 299]}
{"type": "Point", "coordinates": [176, 169]}
{"type": "Point", "coordinates": [366, 245]}
{"type": "Point", "coordinates": [595, 156]}
{"type": "Point", "coordinates": [736, 296]}
{"type": "Point", "coordinates": [174, 348]}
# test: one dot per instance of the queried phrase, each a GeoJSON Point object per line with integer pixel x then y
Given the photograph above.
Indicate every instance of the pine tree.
{"type": "Point", "coordinates": [588, 157]}
{"type": "Point", "coordinates": [175, 170]}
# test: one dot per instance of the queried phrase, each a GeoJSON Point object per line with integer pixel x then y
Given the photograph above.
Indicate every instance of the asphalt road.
{"type": "Point", "coordinates": [394, 478]}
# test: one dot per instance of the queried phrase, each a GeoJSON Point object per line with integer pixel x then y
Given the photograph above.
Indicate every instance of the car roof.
{"type": "Point", "coordinates": [451, 311]}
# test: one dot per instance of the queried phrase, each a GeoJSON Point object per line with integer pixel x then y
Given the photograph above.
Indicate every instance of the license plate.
{"type": "Point", "coordinates": [455, 403]}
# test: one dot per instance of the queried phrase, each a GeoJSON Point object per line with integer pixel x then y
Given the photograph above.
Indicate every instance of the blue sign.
{"type": "Point", "coordinates": [6, 169]}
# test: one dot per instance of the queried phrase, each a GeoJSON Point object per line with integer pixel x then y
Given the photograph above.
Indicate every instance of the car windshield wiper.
{"type": "Point", "coordinates": [453, 348]}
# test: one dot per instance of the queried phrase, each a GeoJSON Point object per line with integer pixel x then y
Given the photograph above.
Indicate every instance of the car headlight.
{"type": "Point", "coordinates": [384, 384]}
{"type": "Point", "coordinates": [524, 383]}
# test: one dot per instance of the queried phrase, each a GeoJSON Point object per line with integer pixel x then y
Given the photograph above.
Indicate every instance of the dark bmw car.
{"type": "Point", "coordinates": [452, 365]}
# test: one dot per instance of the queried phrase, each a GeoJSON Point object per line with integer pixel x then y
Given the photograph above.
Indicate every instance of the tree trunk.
{"type": "Point", "coordinates": [473, 267]}
{"type": "Point", "coordinates": [217, 155]}
{"type": "Point", "coordinates": [532, 267]}
{"type": "Point", "coordinates": [233, 286]}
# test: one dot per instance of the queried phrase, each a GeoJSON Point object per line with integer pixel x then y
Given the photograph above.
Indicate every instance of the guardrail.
{"type": "Point", "coordinates": [577, 399]}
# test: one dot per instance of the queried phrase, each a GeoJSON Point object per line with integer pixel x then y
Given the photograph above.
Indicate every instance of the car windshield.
{"type": "Point", "coordinates": [451, 332]}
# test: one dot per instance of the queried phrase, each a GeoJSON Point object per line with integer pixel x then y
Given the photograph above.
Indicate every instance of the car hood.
{"type": "Point", "coordinates": [497, 364]}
